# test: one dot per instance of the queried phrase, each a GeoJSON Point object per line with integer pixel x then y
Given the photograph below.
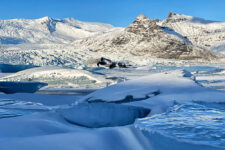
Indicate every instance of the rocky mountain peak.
{"type": "Point", "coordinates": [144, 37]}
{"type": "Point", "coordinates": [173, 17]}
{"type": "Point", "coordinates": [171, 14]}
{"type": "Point", "coordinates": [142, 25]}
{"type": "Point", "coordinates": [142, 17]}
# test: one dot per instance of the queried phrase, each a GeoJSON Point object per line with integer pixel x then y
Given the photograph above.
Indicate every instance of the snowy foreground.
{"type": "Point", "coordinates": [168, 110]}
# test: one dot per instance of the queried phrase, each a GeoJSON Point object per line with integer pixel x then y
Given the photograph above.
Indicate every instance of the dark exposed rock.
{"type": "Point", "coordinates": [110, 64]}
{"type": "Point", "coordinates": [171, 14]}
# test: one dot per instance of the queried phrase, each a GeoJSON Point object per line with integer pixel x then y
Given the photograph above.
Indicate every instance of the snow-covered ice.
{"type": "Point", "coordinates": [58, 121]}
{"type": "Point", "coordinates": [177, 85]}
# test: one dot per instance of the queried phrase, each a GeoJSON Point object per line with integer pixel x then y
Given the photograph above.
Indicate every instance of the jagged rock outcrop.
{"type": "Point", "coordinates": [144, 37]}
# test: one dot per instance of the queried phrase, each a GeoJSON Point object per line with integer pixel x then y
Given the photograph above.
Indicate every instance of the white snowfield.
{"type": "Point", "coordinates": [61, 128]}
{"type": "Point", "coordinates": [58, 77]}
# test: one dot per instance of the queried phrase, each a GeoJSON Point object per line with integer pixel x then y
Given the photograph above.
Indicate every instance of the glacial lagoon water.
{"type": "Point", "coordinates": [195, 122]}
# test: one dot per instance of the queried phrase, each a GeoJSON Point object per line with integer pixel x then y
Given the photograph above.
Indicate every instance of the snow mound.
{"type": "Point", "coordinates": [10, 87]}
{"type": "Point", "coordinates": [170, 87]}
{"type": "Point", "coordinates": [96, 115]}
{"type": "Point", "coordinates": [140, 88]}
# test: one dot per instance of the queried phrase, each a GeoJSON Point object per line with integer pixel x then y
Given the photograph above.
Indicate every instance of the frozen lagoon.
{"type": "Point", "coordinates": [38, 120]}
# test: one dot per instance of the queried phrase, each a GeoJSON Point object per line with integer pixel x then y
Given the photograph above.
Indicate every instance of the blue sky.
{"type": "Point", "coordinates": [116, 12]}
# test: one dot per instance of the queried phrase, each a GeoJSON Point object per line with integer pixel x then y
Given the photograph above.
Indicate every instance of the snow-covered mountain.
{"type": "Point", "coordinates": [48, 41]}
{"type": "Point", "coordinates": [48, 30]}
{"type": "Point", "coordinates": [205, 33]}
{"type": "Point", "coordinates": [144, 37]}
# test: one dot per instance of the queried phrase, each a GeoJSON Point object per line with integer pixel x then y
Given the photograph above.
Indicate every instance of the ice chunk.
{"type": "Point", "coordinates": [58, 77]}
{"type": "Point", "coordinates": [95, 115]}
{"type": "Point", "coordinates": [157, 91]}
{"type": "Point", "coordinates": [10, 87]}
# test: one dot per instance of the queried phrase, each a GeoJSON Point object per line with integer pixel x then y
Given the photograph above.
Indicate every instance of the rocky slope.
{"type": "Point", "coordinates": [144, 37]}
{"type": "Point", "coordinates": [201, 32]}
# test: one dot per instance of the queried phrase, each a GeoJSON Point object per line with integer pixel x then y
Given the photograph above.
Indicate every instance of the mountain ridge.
{"type": "Point", "coordinates": [49, 30]}
{"type": "Point", "coordinates": [49, 41]}
{"type": "Point", "coordinates": [205, 33]}
{"type": "Point", "coordinates": [146, 37]}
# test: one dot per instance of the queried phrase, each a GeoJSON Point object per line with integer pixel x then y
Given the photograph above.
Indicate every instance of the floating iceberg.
{"type": "Point", "coordinates": [58, 77]}
{"type": "Point", "coordinates": [10, 87]}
